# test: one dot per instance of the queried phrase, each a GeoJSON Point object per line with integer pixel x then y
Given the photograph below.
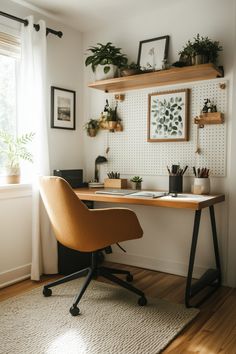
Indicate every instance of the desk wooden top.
{"type": "Point", "coordinates": [182, 201]}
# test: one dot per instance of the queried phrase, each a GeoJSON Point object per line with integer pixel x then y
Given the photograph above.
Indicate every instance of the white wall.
{"type": "Point", "coordinates": [65, 70]}
{"type": "Point", "coordinates": [163, 247]}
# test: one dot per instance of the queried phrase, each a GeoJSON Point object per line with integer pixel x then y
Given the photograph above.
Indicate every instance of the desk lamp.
{"type": "Point", "coordinates": [99, 160]}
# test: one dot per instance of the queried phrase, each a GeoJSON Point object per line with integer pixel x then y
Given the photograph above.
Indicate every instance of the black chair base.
{"type": "Point", "coordinates": [93, 272]}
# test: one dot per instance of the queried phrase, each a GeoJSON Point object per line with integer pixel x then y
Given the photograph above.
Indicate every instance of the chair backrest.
{"type": "Point", "coordinates": [77, 227]}
{"type": "Point", "coordinates": [65, 210]}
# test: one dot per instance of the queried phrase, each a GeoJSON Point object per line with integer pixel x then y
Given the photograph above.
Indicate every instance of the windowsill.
{"type": "Point", "coordinates": [21, 190]}
{"type": "Point", "coordinates": [16, 186]}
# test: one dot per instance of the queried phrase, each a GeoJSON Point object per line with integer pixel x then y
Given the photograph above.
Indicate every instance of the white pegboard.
{"type": "Point", "coordinates": [130, 153]}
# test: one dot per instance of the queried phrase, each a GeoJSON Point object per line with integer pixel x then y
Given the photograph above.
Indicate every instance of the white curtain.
{"type": "Point", "coordinates": [33, 118]}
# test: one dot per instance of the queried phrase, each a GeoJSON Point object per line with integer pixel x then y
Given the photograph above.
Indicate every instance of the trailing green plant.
{"type": "Point", "coordinates": [136, 179]}
{"type": "Point", "coordinates": [92, 124]}
{"type": "Point", "coordinates": [202, 46]}
{"type": "Point", "coordinates": [132, 65]}
{"type": "Point", "coordinates": [105, 54]}
{"type": "Point", "coordinates": [14, 148]}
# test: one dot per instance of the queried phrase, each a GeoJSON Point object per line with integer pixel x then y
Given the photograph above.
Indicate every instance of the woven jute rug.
{"type": "Point", "coordinates": [110, 322]}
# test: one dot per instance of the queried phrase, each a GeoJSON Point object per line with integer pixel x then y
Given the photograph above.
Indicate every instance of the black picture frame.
{"type": "Point", "coordinates": [63, 108]}
{"type": "Point", "coordinates": [152, 52]}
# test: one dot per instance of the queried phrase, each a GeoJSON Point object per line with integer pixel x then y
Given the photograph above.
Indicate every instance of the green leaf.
{"type": "Point", "coordinates": [106, 69]}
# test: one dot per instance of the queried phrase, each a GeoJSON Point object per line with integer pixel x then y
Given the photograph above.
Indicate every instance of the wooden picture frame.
{"type": "Point", "coordinates": [62, 108]}
{"type": "Point", "coordinates": [168, 116]}
{"type": "Point", "coordinates": [152, 53]}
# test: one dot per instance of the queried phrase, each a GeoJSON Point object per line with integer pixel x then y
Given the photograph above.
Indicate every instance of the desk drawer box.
{"type": "Point", "coordinates": [115, 183]}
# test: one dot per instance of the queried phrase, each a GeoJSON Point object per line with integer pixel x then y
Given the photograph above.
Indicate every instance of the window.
{"type": "Point", "coordinates": [9, 56]}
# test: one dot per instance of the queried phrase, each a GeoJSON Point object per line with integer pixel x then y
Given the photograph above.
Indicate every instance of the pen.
{"type": "Point", "coordinates": [184, 170]}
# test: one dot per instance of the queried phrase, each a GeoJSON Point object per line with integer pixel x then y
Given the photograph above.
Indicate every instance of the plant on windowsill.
{"type": "Point", "coordinates": [105, 59]}
{"type": "Point", "coordinates": [92, 127]}
{"type": "Point", "coordinates": [200, 51]}
{"type": "Point", "coordinates": [136, 182]}
{"type": "Point", "coordinates": [13, 149]}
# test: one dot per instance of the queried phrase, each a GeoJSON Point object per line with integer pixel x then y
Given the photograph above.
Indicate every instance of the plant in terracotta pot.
{"type": "Point", "coordinates": [105, 59]}
{"type": "Point", "coordinates": [136, 182]}
{"type": "Point", "coordinates": [130, 69]}
{"type": "Point", "coordinates": [92, 127]}
{"type": "Point", "coordinates": [13, 150]}
{"type": "Point", "coordinates": [201, 50]}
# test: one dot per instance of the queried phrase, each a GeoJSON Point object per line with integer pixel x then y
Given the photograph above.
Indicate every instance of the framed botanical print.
{"type": "Point", "coordinates": [153, 53]}
{"type": "Point", "coordinates": [168, 116]}
{"type": "Point", "coordinates": [62, 108]}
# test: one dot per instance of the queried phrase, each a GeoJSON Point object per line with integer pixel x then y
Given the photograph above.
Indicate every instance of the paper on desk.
{"type": "Point", "coordinates": [148, 194]}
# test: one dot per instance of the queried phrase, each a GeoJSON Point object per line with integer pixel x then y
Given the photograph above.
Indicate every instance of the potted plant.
{"type": "Point", "coordinates": [136, 182]}
{"type": "Point", "coordinates": [92, 127]}
{"type": "Point", "coordinates": [130, 69]}
{"type": "Point", "coordinates": [105, 59]}
{"type": "Point", "coordinates": [14, 150]}
{"type": "Point", "coordinates": [112, 118]}
{"type": "Point", "coordinates": [201, 50]}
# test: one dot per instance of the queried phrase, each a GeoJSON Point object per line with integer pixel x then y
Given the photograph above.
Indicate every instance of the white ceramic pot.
{"type": "Point", "coordinates": [136, 185]}
{"type": "Point", "coordinates": [100, 75]}
{"type": "Point", "coordinates": [201, 186]}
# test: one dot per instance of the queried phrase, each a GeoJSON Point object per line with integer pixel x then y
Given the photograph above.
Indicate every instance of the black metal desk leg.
{"type": "Point", "coordinates": [197, 219]}
{"type": "Point", "coordinates": [215, 242]}
{"type": "Point", "coordinates": [212, 277]}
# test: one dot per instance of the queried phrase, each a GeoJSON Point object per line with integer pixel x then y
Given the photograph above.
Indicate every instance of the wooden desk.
{"type": "Point", "coordinates": [212, 277]}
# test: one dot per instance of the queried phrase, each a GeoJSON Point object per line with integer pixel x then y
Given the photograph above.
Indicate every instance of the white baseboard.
{"type": "Point", "coordinates": [164, 266]}
{"type": "Point", "coordinates": [14, 275]}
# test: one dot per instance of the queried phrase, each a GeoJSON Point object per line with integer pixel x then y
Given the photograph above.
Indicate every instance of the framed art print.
{"type": "Point", "coordinates": [152, 53]}
{"type": "Point", "coordinates": [62, 108]}
{"type": "Point", "coordinates": [168, 116]}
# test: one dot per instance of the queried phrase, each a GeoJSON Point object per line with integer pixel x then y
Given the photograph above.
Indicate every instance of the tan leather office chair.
{"type": "Point", "coordinates": [87, 230]}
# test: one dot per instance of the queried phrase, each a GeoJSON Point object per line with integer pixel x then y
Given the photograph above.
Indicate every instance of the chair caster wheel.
{"type": "Point", "coordinates": [142, 301]}
{"type": "Point", "coordinates": [47, 292]}
{"type": "Point", "coordinates": [74, 311]}
{"type": "Point", "coordinates": [129, 278]}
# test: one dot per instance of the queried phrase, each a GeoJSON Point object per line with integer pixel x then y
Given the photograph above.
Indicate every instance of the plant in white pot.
{"type": "Point", "coordinates": [13, 150]}
{"type": "Point", "coordinates": [136, 182]}
{"type": "Point", "coordinates": [105, 59]}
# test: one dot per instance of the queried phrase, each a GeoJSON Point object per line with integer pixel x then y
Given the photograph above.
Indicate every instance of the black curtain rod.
{"type": "Point", "coordinates": [26, 22]}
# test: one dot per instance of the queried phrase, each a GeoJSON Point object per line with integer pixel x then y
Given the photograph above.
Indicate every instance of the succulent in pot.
{"type": "Point", "coordinates": [105, 59]}
{"type": "Point", "coordinates": [136, 182]}
{"type": "Point", "coordinates": [13, 149]}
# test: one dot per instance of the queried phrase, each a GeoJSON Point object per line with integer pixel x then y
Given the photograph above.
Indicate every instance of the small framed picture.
{"type": "Point", "coordinates": [153, 53]}
{"type": "Point", "coordinates": [168, 116]}
{"type": "Point", "coordinates": [62, 108]}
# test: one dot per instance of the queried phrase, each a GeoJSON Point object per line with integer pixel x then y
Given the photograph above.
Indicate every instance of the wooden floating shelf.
{"type": "Point", "coordinates": [159, 78]}
{"type": "Point", "coordinates": [209, 118]}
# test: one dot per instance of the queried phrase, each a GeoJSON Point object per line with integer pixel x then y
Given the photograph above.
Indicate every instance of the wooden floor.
{"type": "Point", "coordinates": [214, 329]}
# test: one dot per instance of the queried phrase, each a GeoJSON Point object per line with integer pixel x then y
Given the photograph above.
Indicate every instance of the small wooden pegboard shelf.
{"type": "Point", "coordinates": [209, 118]}
{"type": "Point", "coordinates": [159, 78]}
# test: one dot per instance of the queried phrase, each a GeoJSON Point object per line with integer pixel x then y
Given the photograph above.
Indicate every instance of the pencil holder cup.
{"type": "Point", "coordinates": [175, 184]}
{"type": "Point", "coordinates": [201, 186]}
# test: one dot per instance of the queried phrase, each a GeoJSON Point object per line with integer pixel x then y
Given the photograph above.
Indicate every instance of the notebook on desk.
{"type": "Point", "coordinates": [115, 191]}
{"type": "Point", "coordinates": [149, 194]}
{"type": "Point", "coordinates": [132, 193]}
